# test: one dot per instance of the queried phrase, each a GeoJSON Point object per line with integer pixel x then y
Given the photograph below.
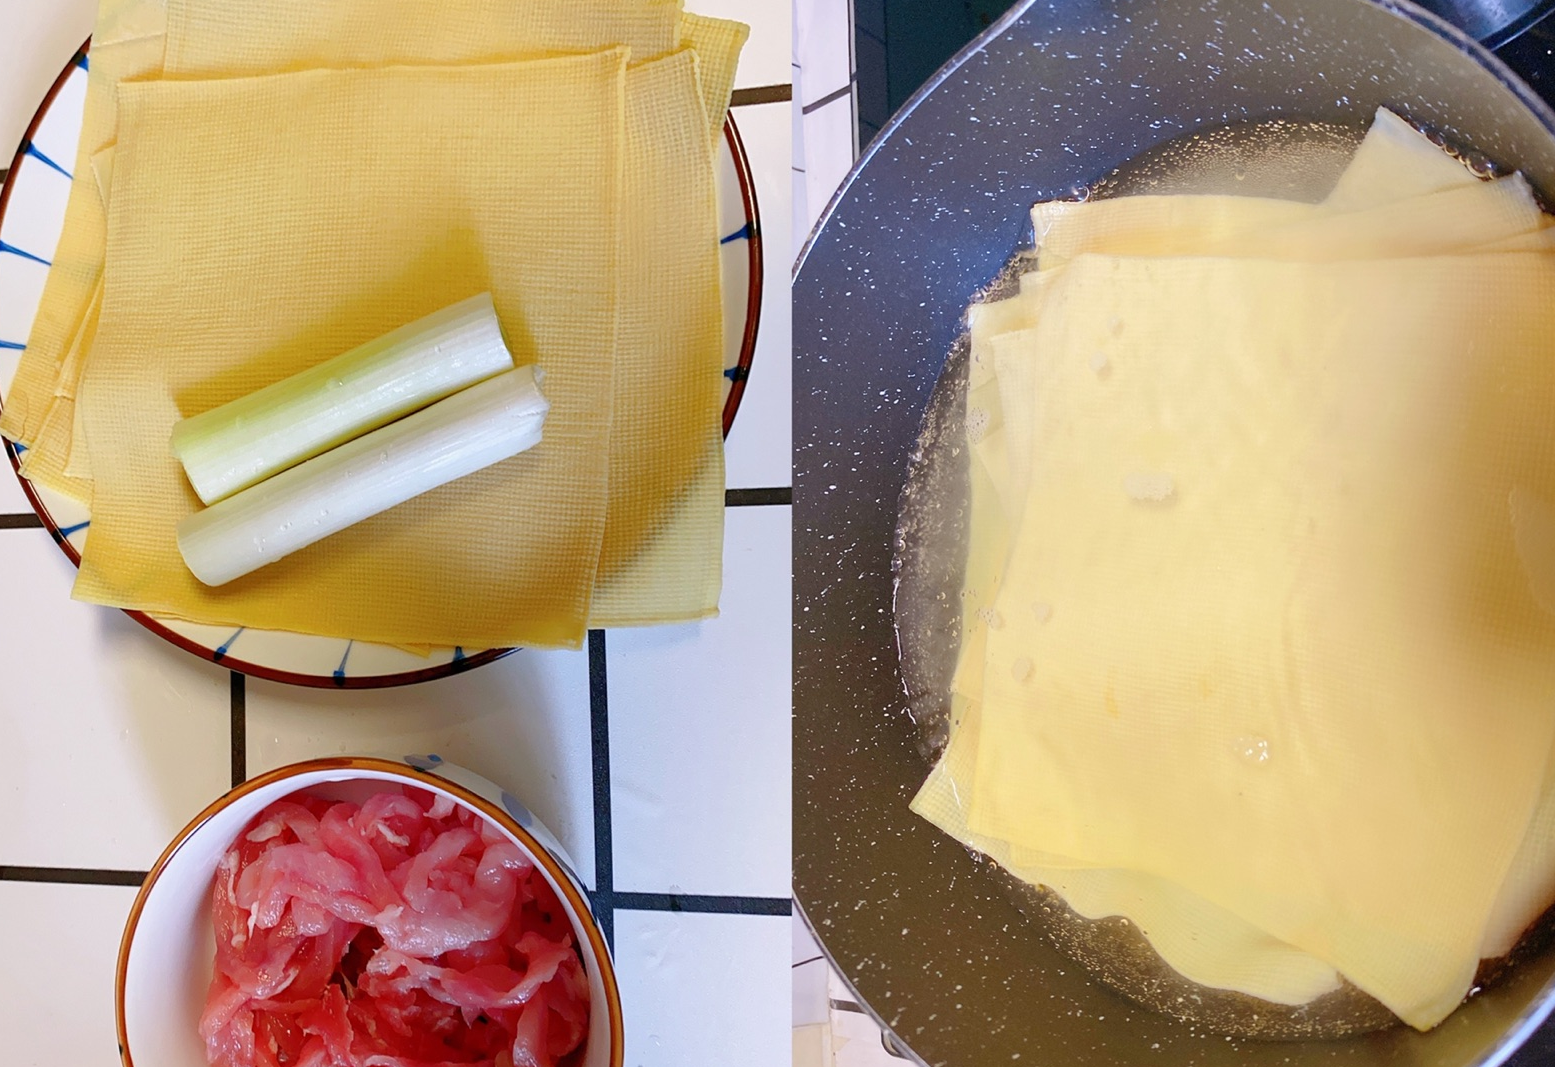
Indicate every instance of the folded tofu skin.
{"type": "Point", "coordinates": [1258, 623]}
{"type": "Point", "coordinates": [261, 188]}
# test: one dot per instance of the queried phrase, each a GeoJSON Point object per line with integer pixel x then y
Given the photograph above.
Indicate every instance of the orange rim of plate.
{"type": "Point", "coordinates": [741, 372]}
{"type": "Point", "coordinates": [564, 885]}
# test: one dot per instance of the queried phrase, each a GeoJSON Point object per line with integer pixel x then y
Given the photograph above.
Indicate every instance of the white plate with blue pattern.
{"type": "Point", "coordinates": [32, 214]}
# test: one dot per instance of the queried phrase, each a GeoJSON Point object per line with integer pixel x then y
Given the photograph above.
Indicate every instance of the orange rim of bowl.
{"type": "Point", "coordinates": [753, 300]}
{"type": "Point", "coordinates": [563, 884]}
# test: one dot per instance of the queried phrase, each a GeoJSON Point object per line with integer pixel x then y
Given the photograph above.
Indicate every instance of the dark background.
{"type": "Point", "coordinates": [899, 44]}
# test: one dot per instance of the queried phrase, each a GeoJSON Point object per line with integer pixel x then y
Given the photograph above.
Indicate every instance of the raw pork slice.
{"type": "Point", "coordinates": [402, 932]}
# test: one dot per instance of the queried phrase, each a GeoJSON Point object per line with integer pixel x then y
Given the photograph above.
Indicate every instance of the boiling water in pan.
{"type": "Point", "coordinates": [1278, 158]}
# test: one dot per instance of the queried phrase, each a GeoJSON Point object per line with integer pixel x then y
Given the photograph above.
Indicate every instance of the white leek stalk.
{"type": "Point", "coordinates": [242, 443]}
{"type": "Point", "coordinates": [482, 425]}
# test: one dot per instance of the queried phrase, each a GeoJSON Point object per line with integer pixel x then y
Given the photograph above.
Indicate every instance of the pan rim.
{"type": "Point", "coordinates": [1542, 1005]}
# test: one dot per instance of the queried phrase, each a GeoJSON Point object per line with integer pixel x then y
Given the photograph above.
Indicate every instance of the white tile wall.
{"type": "Point", "coordinates": [801, 212]}
{"type": "Point", "coordinates": [810, 1004]}
{"type": "Point", "coordinates": [829, 150]}
{"type": "Point", "coordinates": [56, 989]}
{"type": "Point", "coordinates": [522, 722]}
{"type": "Point", "coordinates": [825, 46]}
{"type": "Point", "coordinates": [823, 56]}
{"type": "Point", "coordinates": [113, 738]}
{"type": "Point", "coordinates": [700, 734]}
{"type": "Point", "coordinates": [704, 990]}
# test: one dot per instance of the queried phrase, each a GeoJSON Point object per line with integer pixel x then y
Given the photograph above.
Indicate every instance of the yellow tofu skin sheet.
{"type": "Point", "coordinates": [518, 541]}
{"type": "Point", "coordinates": [665, 515]}
{"type": "Point", "coordinates": [1393, 688]}
{"type": "Point", "coordinates": [652, 317]}
{"type": "Point", "coordinates": [78, 259]}
{"type": "Point", "coordinates": [1271, 526]}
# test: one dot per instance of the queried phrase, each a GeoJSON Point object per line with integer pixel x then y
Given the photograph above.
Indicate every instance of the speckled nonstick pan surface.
{"type": "Point", "coordinates": [1054, 96]}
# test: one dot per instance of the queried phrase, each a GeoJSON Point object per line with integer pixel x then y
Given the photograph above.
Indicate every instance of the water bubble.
{"type": "Point", "coordinates": [1253, 749]}
{"type": "Point", "coordinates": [1150, 486]}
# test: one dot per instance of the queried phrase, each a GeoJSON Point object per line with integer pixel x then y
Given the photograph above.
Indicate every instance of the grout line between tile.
{"type": "Point", "coordinates": [238, 729]}
{"type": "Point", "coordinates": [604, 855]}
{"type": "Point", "coordinates": [831, 97]}
{"type": "Point", "coordinates": [762, 94]}
{"type": "Point", "coordinates": [71, 876]}
{"type": "Point", "coordinates": [745, 498]}
{"type": "Point", "coordinates": [28, 521]}
{"type": "Point", "coordinates": [706, 905]}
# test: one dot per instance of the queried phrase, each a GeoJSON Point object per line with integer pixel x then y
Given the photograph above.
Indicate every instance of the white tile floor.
{"type": "Point", "coordinates": [660, 759]}
{"type": "Point", "coordinates": [114, 739]}
{"type": "Point", "coordinates": [704, 989]}
{"type": "Point", "coordinates": [58, 1006]}
{"type": "Point", "coordinates": [500, 721]}
{"type": "Point", "coordinates": [671, 837]}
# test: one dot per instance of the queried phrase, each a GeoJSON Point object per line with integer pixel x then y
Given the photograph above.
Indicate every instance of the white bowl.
{"type": "Point", "coordinates": [166, 957]}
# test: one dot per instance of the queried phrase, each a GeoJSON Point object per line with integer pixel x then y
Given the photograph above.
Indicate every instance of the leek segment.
{"type": "Point", "coordinates": [240, 444]}
{"type": "Point", "coordinates": [484, 424]}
